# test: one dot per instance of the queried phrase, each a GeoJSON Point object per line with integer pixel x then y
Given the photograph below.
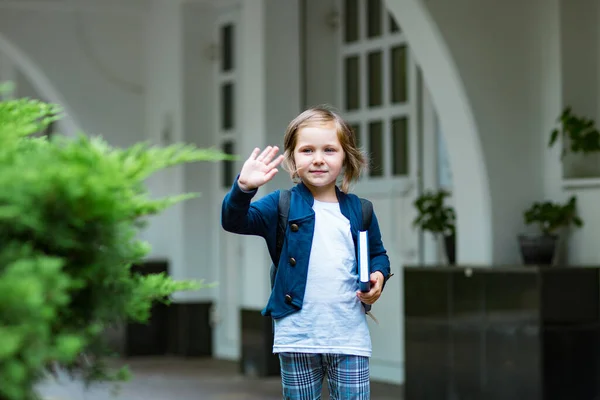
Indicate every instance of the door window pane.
{"type": "Point", "coordinates": [443, 163]}
{"type": "Point", "coordinates": [351, 19]}
{"type": "Point", "coordinates": [352, 83]}
{"type": "Point", "coordinates": [375, 79]}
{"type": "Point", "coordinates": [393, 25]}
{"type": "Point", "coordinates": [400, 146]}
{"type": "Point", "coordinates": [227, 96]}
{"type": "Point", "coordinates": [374, 18]}
{"type": "Point", "coordinates": [376, 148]}
{"type": "Point", "coordinates": [399, 75]}
{"type": "Point", "coordinates": [227, 47]}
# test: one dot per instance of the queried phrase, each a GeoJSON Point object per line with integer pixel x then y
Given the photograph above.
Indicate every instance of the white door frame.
{"type": "Point", "coordinates": [226, 320]}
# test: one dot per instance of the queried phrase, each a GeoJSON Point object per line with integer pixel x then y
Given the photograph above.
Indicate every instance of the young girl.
{"type": "Point", "coordinates": [320, 323]}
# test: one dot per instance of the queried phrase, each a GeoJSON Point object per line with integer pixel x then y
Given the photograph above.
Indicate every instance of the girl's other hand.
{"type": "Point", "coordinates": [376, 286]}
{"type": "Point", "coordinates": [259, 169]}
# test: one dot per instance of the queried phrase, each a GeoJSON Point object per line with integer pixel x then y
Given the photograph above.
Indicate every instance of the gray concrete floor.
{"type": "Point", "coordinates": [181, 379]}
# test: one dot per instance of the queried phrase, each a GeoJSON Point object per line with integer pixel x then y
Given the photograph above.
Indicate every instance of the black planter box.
{"type": "Point", "coordinates": [190, 332]}
{"type": "Point", "coordinates": [181, 329]}
{"type": "Point", "coordinates": [502, 333]}
{"type": "Point", "coordinates": [257, 345]}
{"type": "Point", "coordinates": [149, 339]}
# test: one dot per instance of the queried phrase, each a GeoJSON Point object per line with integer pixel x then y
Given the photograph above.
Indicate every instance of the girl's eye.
{"type": "Point", "coordinates": [306, 150]}
{"type": "Point", "coordinates": [330, 150]}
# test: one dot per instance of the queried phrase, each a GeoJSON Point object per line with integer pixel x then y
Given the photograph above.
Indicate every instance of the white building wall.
{"type": "Point", "coordinates": [164, 113]}
{"type": "Point", "coordinates": [14, 62]}
{"type": "Point", "coordinates": [101, 84]}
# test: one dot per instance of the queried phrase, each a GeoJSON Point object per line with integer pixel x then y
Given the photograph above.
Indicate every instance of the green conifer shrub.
{"type": "Point", "coordinates": [70, 213]}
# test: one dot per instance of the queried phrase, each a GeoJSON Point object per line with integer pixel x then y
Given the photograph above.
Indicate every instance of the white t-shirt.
{"type": "Point", "coordinates": [332, 319]}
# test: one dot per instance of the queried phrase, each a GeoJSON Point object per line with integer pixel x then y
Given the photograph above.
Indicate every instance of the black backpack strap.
{"type": "Point", "coordinates": [367, 213]}
{"type": "Point", "coordinates": [283, 210]}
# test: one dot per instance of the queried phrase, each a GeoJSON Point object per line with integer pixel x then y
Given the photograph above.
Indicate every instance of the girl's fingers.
{"type": "Point", "coordinates": [269, 175]}
{"type": "Point", "coordinates": [275, 162]}
{"type": "Point", "coordinates": [264, 154]}
{"type": "Point", "coordinates": [272, 153]}
{"type": "Point", "coordinates": [254, 154]}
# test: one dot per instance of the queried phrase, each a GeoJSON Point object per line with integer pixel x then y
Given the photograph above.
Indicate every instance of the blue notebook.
{"type": "Point", "coordinates": [363, 262]}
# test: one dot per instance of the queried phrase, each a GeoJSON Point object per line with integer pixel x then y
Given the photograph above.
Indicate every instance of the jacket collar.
{"type": "Point", "coordinates": [305, 193]}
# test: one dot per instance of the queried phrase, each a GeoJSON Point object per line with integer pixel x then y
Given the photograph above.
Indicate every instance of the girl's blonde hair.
{"type": "Point", "coordinates": [354, 160]}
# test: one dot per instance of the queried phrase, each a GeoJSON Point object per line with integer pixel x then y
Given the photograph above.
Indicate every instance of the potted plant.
{"type": "Point", "coordinates": [581, 140]}
{"type": "Point", "coordinates": [579, 133]}
{"type": "Point", "coordinates": [437, 218]}
{"type": "Point", "coordinates": [541, 248]}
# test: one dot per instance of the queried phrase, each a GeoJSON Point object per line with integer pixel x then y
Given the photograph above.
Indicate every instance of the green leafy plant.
{"type": "Point", "coordinates": [70, 214]}
{"type": "Point", "coordinates": [579, 134]}
{"type": "Point", "coordinates": [551, 216]}
{"type": "Point", "coordinates": [433, 215]}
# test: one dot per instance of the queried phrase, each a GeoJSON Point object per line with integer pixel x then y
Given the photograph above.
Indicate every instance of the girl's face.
{"type": "Point", "coordinates": [319, 156]}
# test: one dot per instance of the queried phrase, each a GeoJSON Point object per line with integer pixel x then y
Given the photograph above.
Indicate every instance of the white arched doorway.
{"type": "Point", "coordinates": [40, 83]}
{"type": "Point", "coordinates": [471, 186]}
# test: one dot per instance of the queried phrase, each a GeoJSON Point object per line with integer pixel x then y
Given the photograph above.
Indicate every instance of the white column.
{"type": "Point", "coordinates": [164, 119]}
{"type": "Point", "coordinates": [551, 94]}
{"type": "Point", "coordinates": [201, 223]}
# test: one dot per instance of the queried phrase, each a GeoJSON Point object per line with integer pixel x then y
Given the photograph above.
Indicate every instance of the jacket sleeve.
{"type": "Point", "coordinates": [240, 215]}
{"type": "Point", "coordinates": [379, 258]}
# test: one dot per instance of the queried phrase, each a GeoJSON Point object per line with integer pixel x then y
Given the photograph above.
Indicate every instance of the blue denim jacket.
{"type": "Point", "coordinates": [241, 216]}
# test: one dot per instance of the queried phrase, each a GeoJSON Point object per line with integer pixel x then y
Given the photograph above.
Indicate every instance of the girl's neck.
{"type": "Point", "coordinates": [325, 194]}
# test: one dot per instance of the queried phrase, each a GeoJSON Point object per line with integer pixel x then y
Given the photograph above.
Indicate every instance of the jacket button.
{"type": "Point", "coordinates": [294, 228]}
{"type": "Point", "coordinates": [288, 299]}
{"type": "Point", "coordinates": [292, 261]}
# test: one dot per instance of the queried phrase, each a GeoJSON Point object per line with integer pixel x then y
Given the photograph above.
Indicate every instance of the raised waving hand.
{"type": "Point", "coordinates": [259, 168]}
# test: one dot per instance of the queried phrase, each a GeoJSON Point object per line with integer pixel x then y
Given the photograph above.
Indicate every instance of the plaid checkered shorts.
{"type": "Point", "coordinates": [302, 376]}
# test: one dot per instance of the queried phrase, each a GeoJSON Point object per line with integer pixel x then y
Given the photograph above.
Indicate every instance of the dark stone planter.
{"type": "Point", "coordinates": [538, 250]}
{"type": "Point", "coordinates": [149, 339]}
{"type": "Point", "coordinates": [190, 332]}
{"type": "Point", "coordinates": [181, 329]}
{"type": "Point", "coordinates": [502, 333]}
{"type": "Point", "coordinates": [257, 345]}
